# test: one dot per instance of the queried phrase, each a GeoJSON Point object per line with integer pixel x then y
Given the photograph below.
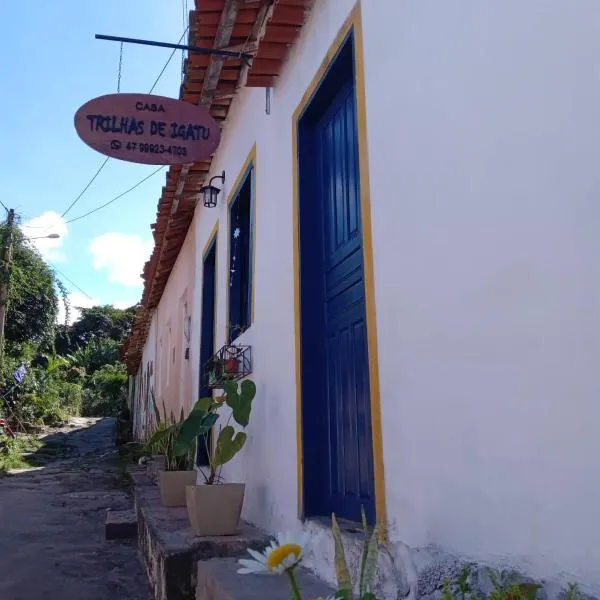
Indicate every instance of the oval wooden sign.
{"type": "Point", "coordinates": [153, 130]}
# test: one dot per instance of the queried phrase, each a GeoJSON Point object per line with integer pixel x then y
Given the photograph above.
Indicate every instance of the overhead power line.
{"type": "Point", "coordinates": [87, 214]}
{"type": "Point", "coordinates": [84, 190]}
{"type": "Point", "coordinates": [73, 284]}
{"type": "Point", "coordinates": [168, 61]}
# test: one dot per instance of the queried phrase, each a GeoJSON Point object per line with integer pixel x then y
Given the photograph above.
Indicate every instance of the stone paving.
{"type": "Point", "coordinates": [52, 542]}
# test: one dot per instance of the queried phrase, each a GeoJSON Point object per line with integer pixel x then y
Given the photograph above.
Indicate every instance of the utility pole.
{"type": "Point", "coordinates": [5, 268]}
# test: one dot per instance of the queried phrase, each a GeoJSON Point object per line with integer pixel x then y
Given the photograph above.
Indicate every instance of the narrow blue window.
{"type": "Point", "coordinates": [240, 259]}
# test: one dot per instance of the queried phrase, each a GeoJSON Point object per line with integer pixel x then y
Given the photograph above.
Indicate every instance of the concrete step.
{"type": "Point", "coordinates": [120, 525]}
{"type": "Point", "coordinates": [218, 579]}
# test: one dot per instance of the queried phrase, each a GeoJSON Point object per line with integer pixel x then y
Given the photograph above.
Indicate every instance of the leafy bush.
{"type": "Point", "coordinates": [23, 410]}
{"type": "Point", "coordinates": [75, 375]}
{"type": "Point", "coordinates": [47, 409]}
{"type": "Point", "coordinates": [106, 391]}
{"type": "Point", "coordinates": [55, 404]}
{"type": "Point", "coordinates": [33, 409]}
{"type": "Point", "coordinates": [71, 397]}
{"type": "Point", "coordinates": [54, 390]}
{"type": "Point", "coordinates": [44, 397]}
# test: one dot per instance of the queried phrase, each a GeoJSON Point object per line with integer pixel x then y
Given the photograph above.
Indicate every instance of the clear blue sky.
{"type": "Point", "coordinates": [50, 64]}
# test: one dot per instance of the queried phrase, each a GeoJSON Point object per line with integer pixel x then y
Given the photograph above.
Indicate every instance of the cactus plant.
{"type": "Point", "coordinates": [204, 416]}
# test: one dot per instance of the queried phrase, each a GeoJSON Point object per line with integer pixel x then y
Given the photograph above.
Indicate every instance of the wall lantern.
{"type": "Point", "coordinates": [210, 192]}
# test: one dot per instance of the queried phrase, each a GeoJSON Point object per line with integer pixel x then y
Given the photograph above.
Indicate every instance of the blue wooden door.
{"type": "Point", "coordinates": [207, 339]}
{"type": "Point", "coordinates": [346, 377]}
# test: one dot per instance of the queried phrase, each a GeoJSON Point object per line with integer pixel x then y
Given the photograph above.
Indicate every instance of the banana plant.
{"type": "Point", "coordinates": [204, 416]}
{"type": "Point", "coordinates": [54, 363]}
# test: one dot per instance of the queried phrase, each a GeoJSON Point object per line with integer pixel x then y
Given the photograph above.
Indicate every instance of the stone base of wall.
{"type": "Point", "coordinates": [217, 579]}
{"type": "Point", "coordinates": [407, 573]}
{"type": "Point", "coordinates": [173, 556]}
{"type": "Point", "coordinates": [420, 574]}
{"type": "Point", "coordinates": [168, 547]}
{"type": "Point", "coordinates": [434, 567]}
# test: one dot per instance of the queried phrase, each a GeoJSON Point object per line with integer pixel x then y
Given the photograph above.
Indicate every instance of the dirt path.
{"type": "Point", "coordinates": [52, 525]}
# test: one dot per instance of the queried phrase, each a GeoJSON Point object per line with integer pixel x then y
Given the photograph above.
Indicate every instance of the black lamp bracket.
{"type": "Point", "coordinates": [221, 177]}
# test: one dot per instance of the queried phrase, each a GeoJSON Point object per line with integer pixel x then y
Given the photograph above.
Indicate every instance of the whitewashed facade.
{"type": "Point", "coordinates": [480, 192]}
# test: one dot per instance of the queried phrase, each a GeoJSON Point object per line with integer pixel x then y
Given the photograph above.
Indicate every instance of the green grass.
{"type": "Point", "coordinates": [14, 454]}
{"type": "Point", "coordinates": [27, 451]}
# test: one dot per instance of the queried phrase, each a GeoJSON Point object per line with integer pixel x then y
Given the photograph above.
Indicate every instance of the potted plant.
{"type": "Point", "coordinates": [214, 507]}
{"type": "Point", "coordinates": [176, 472]}
{"type": "Point", "coordinates": [155, 445]}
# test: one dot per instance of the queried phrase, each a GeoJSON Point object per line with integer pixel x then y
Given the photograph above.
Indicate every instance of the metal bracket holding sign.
{"type": "Point", "coordinates": [245, 56]}
{"type": "Point", "coordinates": [152, 130]}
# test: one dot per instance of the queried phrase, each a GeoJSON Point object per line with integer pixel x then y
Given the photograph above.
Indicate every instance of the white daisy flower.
{"type": "Point", "coordinates": [280, 556]}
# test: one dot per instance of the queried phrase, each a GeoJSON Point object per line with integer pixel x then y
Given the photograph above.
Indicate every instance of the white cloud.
{"type": "Point", "coordinates": [123, 304]}
{"type": "Point", "coordinates": [76, 301]}
{"type": "Point", "coordinates": [47, 223]}
{"type": "Point", "coordinates": [121, 256]}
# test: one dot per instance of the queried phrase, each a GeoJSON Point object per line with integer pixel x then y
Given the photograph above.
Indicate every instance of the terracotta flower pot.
{"type": "Point", "coordinates": [172, 486]}
{"type": "Point", "coordinates": [231, 365]}
{"type": "Point", "coordinates": [215, 509]}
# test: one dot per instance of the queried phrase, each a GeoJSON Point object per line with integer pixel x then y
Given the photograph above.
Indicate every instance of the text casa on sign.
{"type": "Point", "coordinates": [142, 128]}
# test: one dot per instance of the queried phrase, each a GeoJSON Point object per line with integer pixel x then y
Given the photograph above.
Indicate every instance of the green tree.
{"type": "Point", "coordinates": [96, 323]}
{"type": "Point", "coordinates": [32, 298]}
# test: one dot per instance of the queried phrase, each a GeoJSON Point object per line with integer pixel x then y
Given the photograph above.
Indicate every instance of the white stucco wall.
{"type": "Point", "coordinates": [174, 373]}
{"type": "Point", "coordinates": [482, 135]}
{"type": "Point", "coordinates": [487, 259]}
